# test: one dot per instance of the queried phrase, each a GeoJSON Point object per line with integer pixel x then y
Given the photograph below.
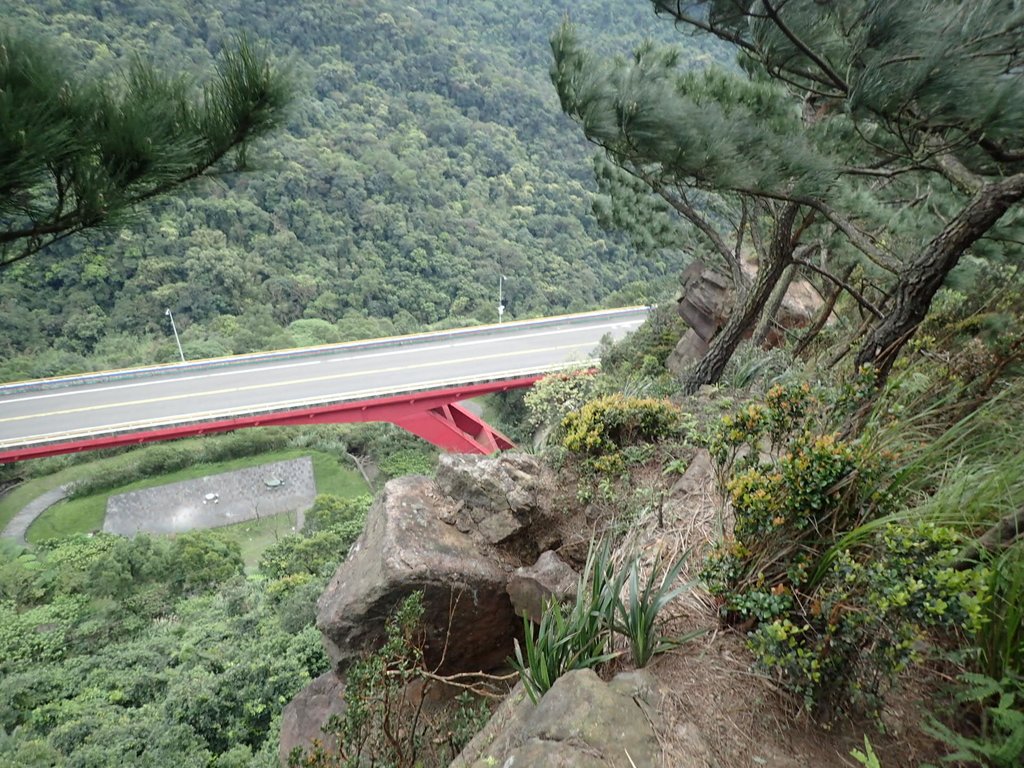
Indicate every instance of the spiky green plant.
{"type": "Point", "coordinates": [636, 615]}
{"type": "Point", "coordinates": [867, 758]}
{"type": "Point", "coordinates": [999, 637]}
{"type": "Point", "coordinates": [573, 638]}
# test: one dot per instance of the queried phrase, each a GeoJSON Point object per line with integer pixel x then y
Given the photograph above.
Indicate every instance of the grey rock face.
{"type": "Point", "coordinates": [494, 483]}
{"type": "Point", "coordinates": [530, 588]}
{"type": "Point", "coordinates": [695, 476]}
{"type": "Point", "coordinates": [405, 548]}
{"type": "Point", "coordinates": [306, 714]}
{"type": "Point", "coordinates": [581, 722]}
{"type": "Point", "coordinates": [498, 500]}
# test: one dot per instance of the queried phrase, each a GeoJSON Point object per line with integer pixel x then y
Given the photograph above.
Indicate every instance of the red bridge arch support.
{"type": "Point", "coordinates": [436, 416]}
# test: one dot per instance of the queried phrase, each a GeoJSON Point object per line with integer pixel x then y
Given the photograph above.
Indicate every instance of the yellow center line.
{"type": "Point", "coordinates": [269, 385]}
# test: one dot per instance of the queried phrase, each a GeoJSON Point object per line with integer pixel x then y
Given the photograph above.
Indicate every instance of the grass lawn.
{"type": "Point", "coordinates": [86, 514]}
{"type": "Point", "coordinates": [12, 503]}
{"type": "Point", "coordinates": [254, 536]}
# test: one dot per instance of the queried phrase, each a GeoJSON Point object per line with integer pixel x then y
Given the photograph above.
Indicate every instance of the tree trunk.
{"type": "Point", "coordinates": [919, 283]}
{"type": "Point", "coordinates": [709, 369]}
{"type": "Point", "coordinates": [823, 313]}
{"type": "Point", "coordinates": [764, 325]}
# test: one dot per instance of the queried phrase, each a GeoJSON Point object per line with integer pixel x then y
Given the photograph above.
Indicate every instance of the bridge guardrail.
{"type": "Point", "coordinates": [273, 409]}
{"type": "Point", "coordinates": [287, 354]}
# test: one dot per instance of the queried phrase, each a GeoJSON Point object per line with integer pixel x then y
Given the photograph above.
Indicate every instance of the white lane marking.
{"type": "Point", "coordinates": [286, 383]}
{"type": "Point", "coordinates": [251, 370]}
{"type": "Point", "coordinates": [266, 409]}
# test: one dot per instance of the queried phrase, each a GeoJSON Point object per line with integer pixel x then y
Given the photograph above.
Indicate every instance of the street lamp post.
{"type": "Point", "coordinates": [175, 329]}
{"type": "Point", "coordinates": [501, 295]}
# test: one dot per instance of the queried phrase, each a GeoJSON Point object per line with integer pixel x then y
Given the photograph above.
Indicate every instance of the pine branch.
{"type": "Point", "coordinates": [999, 153]}
{"type": "Point", "coordinates": [824, 66]}
{"type": "Point", "coordinates": [688, 212]}
{"type": "Point", "coordinates": [959, 175]}
{"type": "Point", "coordinates": [100, 151]}
{"type": "Point", "coordinates": [857, 238]}
{"type": "Point", "coordinates": [684, 18]}
{"type": "Point", "coordinates": [887, 173]}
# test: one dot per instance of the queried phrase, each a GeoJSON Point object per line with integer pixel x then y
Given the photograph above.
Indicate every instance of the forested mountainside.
{"type": "Point", "coordinates": [425, 155]}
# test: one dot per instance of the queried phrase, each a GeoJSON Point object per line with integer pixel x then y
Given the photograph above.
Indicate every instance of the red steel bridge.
{"type": "Point", "coordinates": [416, 382]}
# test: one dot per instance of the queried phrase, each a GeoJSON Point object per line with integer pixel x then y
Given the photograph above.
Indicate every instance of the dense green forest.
{"type": "Point", "coordinates": [424, 156]}
{"type": "Point", "coordinates": [863, 497]}
{"type": "Point", "coordinates": [155, 652]}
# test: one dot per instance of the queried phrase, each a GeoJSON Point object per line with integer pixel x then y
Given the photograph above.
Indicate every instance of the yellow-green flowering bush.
{"type": "Point", "coordinates": [833, 615]}
{"type": "Point", "coordinates": [603, 427]}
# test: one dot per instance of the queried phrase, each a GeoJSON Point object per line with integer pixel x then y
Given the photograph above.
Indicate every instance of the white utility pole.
{"type": "Point", "coordinates": [501, 299]}
{"type": "Point", "coordinates": [175, 329]}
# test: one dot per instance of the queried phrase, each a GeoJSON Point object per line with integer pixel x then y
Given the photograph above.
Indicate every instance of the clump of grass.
{"type": "Point", "coordinates": [573, 638]}
{"type": "Point", "coordinates": [582, 635]}
{"type": "Point", "coordinates": [635, 617]}
{"type": "Point", "coordinates": [999, 637]}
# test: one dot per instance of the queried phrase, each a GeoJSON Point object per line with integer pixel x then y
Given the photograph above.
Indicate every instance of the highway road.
{"type": "Point", "coordinates": [126, 402]}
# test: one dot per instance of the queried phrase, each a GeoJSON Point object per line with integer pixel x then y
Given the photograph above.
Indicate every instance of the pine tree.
{"type": "Point", "coordinates": [78, 153]}
{"type": "Point", "coordinates": [857, 112]}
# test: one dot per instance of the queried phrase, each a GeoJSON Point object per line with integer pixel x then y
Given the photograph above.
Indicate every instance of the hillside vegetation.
{"type": "Point", "coordinates": [424, 156]}
{"type": "Point", "coordinates": [839, 516]}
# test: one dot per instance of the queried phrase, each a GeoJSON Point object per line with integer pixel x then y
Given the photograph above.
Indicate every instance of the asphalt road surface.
{"type": "Point", "coordinates": [170, 397]}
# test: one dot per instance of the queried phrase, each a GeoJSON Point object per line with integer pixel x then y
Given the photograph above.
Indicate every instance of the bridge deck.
{"type": "Point", "coordinates": [43, 413]}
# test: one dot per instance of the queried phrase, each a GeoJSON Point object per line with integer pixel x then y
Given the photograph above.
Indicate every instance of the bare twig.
{"type": "Point", "coordinates": [857, 295]}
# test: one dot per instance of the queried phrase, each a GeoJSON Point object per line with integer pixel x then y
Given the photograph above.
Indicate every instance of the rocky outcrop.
{"type": "Point", "coordinates": [695, 478]}
{"type": "Point", "coordinates": [457, 540]}
{"type": "Point", "coordinates": [531, 587]}
{"type": "Point", "coordinates": [497, 500]}
{"type": "Point", "coordinates": [582, 722]}
{"type": "Point", "coordinates": [405, 547]}
{"type": "Point", "coordinates": [704, 304]}
{"type": "Point", "coordinates": [706, 300]}
{"type": "Point", "coordinates": [508, 481]}
{"type": "Point", "coordinates": [303, 718]}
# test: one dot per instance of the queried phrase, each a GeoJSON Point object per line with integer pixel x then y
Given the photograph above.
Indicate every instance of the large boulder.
{"type": "Point", "coordinates": [306, 714]}
{"type": "Point", "coordinates": [499, 501]}
{"type": "Point", "coordinates": [506, 482]}
{"type": "Point", "coordinates": [582, 722]}
{"type": "Point", "coordinates": [468, 620]}
{"type": "Point", "coordinates": [531, 587]}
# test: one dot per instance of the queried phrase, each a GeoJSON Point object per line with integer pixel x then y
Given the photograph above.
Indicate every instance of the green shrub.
{"type": "Point", "coordinates": [204, 560]}
{"type": "Point", "coordinates": [332, 525]}
{"type": "Point", "coordinates": [41, 635]}
{"type": "Point", "coordinates": [602, 428]}
{"type": "Point", "coordinates": [408, 461]}
{"type": "Point", "coordinates": [329, 511]}
{"type": "Point", "coordinates": [841, 643]}
{"type": "Point", "coordinates": [833, 622]}
{"type": "Point", "coordinates": [316, 554]}
{"type": "Point", "coordinates": [557, 395]}
{"type": "Point", "coordinates": [164, 458]}
{"type": "Point", "coordinates": [645, 351]}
